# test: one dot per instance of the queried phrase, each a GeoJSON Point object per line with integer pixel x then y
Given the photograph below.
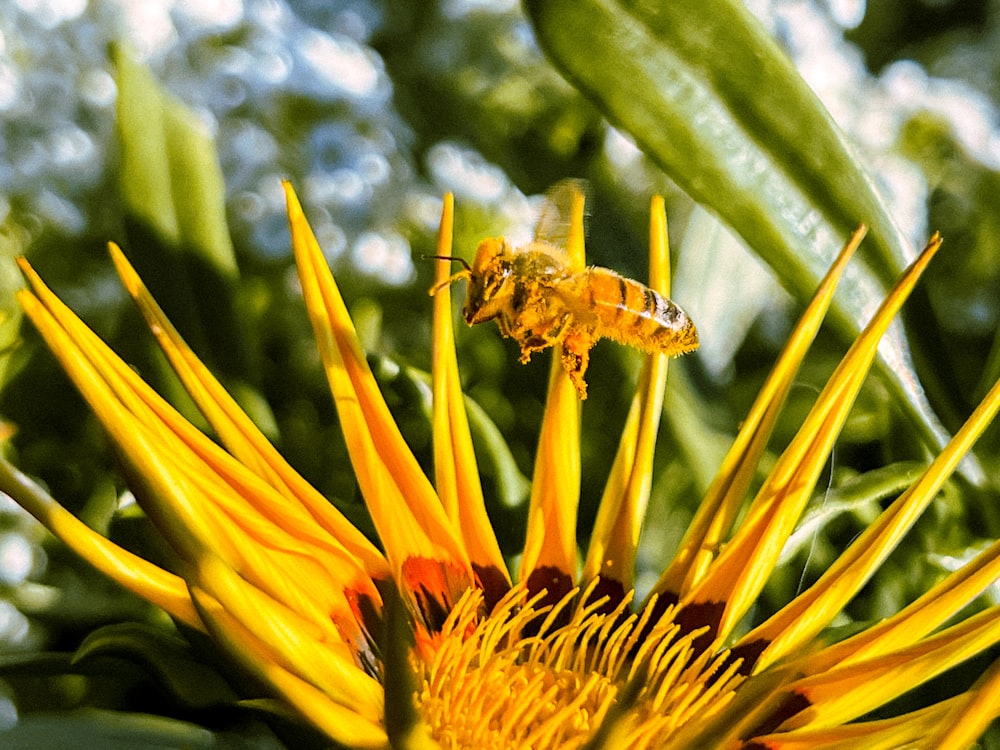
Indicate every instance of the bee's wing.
{"type": "Point", "coordinates": [553, 223]}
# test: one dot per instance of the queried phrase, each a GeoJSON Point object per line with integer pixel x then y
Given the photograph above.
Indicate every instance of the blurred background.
{"type": "Point", "coordinates": [373, 109]}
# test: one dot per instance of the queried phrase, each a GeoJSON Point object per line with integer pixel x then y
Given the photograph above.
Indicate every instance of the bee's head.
{"type": "Point", "coordinates": [488, 272]}
{"type": "Point", "coordinates": [490, 269]}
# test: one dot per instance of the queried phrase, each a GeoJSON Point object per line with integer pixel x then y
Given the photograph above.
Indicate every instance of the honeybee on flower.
{"type": "Point", "coordinates": [540, 297]}
{"type": "Point", "coordinates": [466, 653]}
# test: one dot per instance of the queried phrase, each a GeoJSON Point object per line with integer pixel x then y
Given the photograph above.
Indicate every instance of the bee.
{"type": "Point", "coordinates": [539, 300]}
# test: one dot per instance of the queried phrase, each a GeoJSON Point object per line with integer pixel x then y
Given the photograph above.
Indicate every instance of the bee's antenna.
{"type": "Point", "coordinates": [463, 261]}
{"type": "Point", "coordinates": [465, 273]}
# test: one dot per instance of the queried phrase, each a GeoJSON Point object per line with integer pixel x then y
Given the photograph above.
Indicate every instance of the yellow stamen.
{"type": "Point", "coordinates": [531, 674]}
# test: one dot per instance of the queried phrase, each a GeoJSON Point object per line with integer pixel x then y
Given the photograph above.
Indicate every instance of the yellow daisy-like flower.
{"type": "Point", "coordinates": [429, 642]}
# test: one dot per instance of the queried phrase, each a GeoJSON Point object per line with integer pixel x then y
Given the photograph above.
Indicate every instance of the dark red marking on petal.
{"type": "Point", "coordinates": [690, 617]}
{"type": "Point", "coordinates": [659, 606]}
{"type": "Point", "coordinates": [663, 601]}
{"type": "Point", "coordinates": [493, 583]}
{"type": "Point", "coordinates": [695, 616]}
{"type": "Point", "coordinates": [792, 704]}
{"type": "Point", "coordinates": [368, 613]}
{"type": "Point", "coordinates": [556, 583]}
{"type": "Point", "coordinates": [612, 588]}
{"type": "Point", "coordinates": [750, 653]}
{"type": "Point", "coordinates": [433, 587]}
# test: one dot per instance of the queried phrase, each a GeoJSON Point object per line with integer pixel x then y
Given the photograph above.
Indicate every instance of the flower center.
{"type": "Point", "coordinates": [553, 677]}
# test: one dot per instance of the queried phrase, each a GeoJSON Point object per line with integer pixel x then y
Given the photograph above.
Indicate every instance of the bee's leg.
{"type": "Point", "coordinates": [576, 346]}
{"type": "Point", "coordinates": [559, 329]}
{"type": "Point", "coordinates": [530, 343]}
{"type": "Point", "coordinates": [506, 325]}
{"type": "Point", "coordinates": [514, 328]}
{"type": "Point", "coordinates": [542, 334]}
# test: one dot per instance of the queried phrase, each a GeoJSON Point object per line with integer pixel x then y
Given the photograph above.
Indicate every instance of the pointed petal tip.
{"type": "Point", "coordinates": [291, 197]}
{"type": "Point", "coordinates": [126, 271]}
{"type": "Point", "coordinates": [932, 246]}
{"type": "Point", "coordinates": [118, 256]}
{"type": "Point", "coordinates": [28, 271]}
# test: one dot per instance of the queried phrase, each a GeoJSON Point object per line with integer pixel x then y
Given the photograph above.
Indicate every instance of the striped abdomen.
{"type": "Point", "coordinates": [632, 313]}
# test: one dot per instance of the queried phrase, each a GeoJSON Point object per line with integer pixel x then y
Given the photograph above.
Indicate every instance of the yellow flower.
{"type": "Point", "coordinates": [429, 641]}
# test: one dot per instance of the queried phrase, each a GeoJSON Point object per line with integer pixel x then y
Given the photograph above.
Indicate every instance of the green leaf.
{"type": "Point", "coordinates": [174, 196]}
{"type": "Point", "coordinates": [710, 97]}
{"type": "Point", "coordinates": [13, 242]}
{"type": "Point", "coordinates": [403, 722]}
{"type": "Point", "coordinates": [860, 496]}
{"type": "Point", "coordinates": [512, 487]}
{"type": "Point", "coordinates": [111, 730]}
{"type": "Point", "coordinates": [105, 730]}
{"type": "Point", "coordinates": [35, 664]}
{"type": "Point", "coordinates": [167, 658]}
{"type": "Point", "coordinates": [171, 177]}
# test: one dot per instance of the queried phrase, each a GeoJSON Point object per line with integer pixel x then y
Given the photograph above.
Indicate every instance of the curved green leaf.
{"type": "Point", "coordinates": [174, 196]}
{"type": "Point", "coordinates": [511, 486]}
{"type": "Point", "coordinates": [860, 495]}
{"type": "Point", "coordinates": [171, 177]}
{"type": "Point", "coordinates": [711, 98]}
{"type": "Point", "coordinates": [99, 729]}
{"type": "Point", "coordinates": [106, 730]}
{"type": "Point", "coordinates": [167, 658]}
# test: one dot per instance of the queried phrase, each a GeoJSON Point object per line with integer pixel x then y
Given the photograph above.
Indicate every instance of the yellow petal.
{"type": "Point", "coordinates": [549, 559]}
{"type": "Point", "coordinates": [456, 475]}
{"type": "Point", "coordinates": [971, 714]}
{"type": "Point", "coordinates": [242, 438]}
{"type": "Point", "coordinates": [715, 515]}
{"type": "Point", "coordinates": [314, 654]}
{"type": "Point", "coordinates": [916, 620]}
{"type": "Point", "coordinates": [737, 576]}
{"type": "Point", "coordinates": [908, 730]}
{"type": "Point", "coordinates": [407, 513]}
{"type": "Point", "coordinates": [311, 579]}
{"type": "Point", "coordinates": [809, 613]}
{"type": "Point", "coordinates": [185, 525]}
{"type": "Point", "coordinates": [340, 723]}
{"type": "Point", "coordinates": [164, 589]}
{"type": "Point", "coordinates": [842, 694]}
{"type": "Point", "coordinates": [198, 496]}
{"type": "Point", "coordinates": [613, 544]}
